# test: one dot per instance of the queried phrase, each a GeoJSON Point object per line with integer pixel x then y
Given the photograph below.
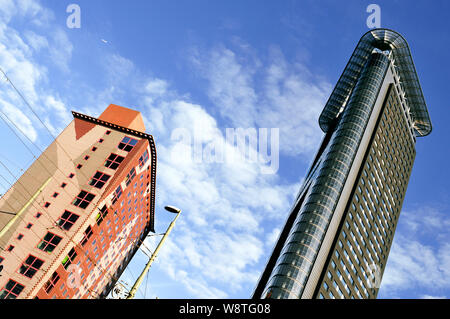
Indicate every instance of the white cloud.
{"type": "Point", "coordinates": [220, 236]}
{"type": "Point", "coordinates": [59, 108]}
{"type": "Point", "coordinates": [432, 297]}
{"type": "Point", "coordinates": [156, 87]}
{"type": "Point", "coordinates": [60, 49]}
{"type": "Point", "coordinates": [279, 94]}
{"type": "Point", "coordinates": [36, 41]}
{"type": "Point", "coordinates": [19, 58]}
{"type": "Point", "coordinates": [419, 259]}
{"type": "Point", "coordinates": [118, 68]}
{"type": "Point", "coordinates": [20, 120]}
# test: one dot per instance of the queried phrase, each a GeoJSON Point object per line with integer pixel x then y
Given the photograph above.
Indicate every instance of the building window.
{"type": "Point", "coordinates": [143, 159]}
{"type": "Point", "coordinates": [29, 225]}
{"type": "Point", "coordinates": [93, 149]}
{"type": "Point", "coordinates": [68, 260]}
{"type": "Point", "coordinates": [51, 282]}
{"type": "Point", "coordinates": [79, 166]}
{"type": "Point", "coordinates": [101, 215]}
{"type": "Point", "coordinates": [20, 236]}
{"type": "Point", "coordinates": [10, 248]}
{"type": "Point", "coordinates": [86, 157]}
{"type": "Point", "coordinates": [11, 290]}
{"type": "Point", "coordinates": [71, 175]}
{"type": "Point", "coordinates": [114, 161]}
{"type": "Point", "coordinates": [127, 144]}
{"type": "Point", "coordinates": [130, 176]}
{"type": "Point", "coordinates": [55, 194]}
{"type": "Point", "coordinates": [30, 267]}
{"type": "Point", "coordinates": [1, 259]}
{"type": "Point", "coordinates": [49, 242]}
{"type": "Point", "coordinates": [83, 199]}
{"type": "Point", "coordinates": [117, 194]}
{"type": "Point", "coordinates": [38, 214]}
{"type": "Point", "coordinates": [47, 205]}
{"type": "Point", "coordinates": [86, 235]}
{"type": "Point", "coordinates": [101, 140]}
{"type": "Point", "coordinates": [67, 220]}
{"type": "Point", "coordinates": [108, 132]}
{"type": "Point", "coordinates": [99, 179]}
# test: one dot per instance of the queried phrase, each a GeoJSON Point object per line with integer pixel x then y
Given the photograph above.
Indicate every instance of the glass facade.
{"type": "Point", "coordinates": [342, 224]}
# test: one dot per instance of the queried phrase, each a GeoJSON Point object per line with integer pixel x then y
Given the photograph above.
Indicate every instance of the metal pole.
{"type": "Point", "coordinates": [152, 258]}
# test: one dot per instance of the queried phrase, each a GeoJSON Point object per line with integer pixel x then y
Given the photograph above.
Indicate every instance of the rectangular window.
{"type": "Point", "coordinates": [71, 175]}
{"type": "Point", "coordinates": [49, 242]}
{"type": "Point", "coordinates": [20, 236]}
{"type": "Point", "coordinates": [143, 159]}
{"type": "Point", "coordinates": [117, 194]}
{"type": "Point", "coordinates": [83, 199]}
{"type": "Point", "coordinates": [10, 248]}
{"type": "Point", "coordinates": [99, 179]}
{"type": "Point", "coordinates": [108, 132]}
{"type": "Point", "coordinates": [101, 215]}
{"type": "Point", "coordinates": [68, 260]}
{"type": "Point", "coordinates": [127, 144]}
{"type": "Point", "coordinates": [86, 235]}
{"type": "Point", "coordinates": [29, 225]}
{"type": "Point", "coordinates": [38, 214]}
{"type": "Point", "coordinates": [47, 205]}
{"type": "Point", "coordinates": [51, 282]}
{"type": "Point", "coordinates": [86, 157]}
{"type": "Point", "coordinates": [55, 194]}
{"type": "Point", "coordinates": [30, 266]}
{"type": "Point", "coordinates": [130, 176]}
{"type": "Point", "coordinates": [114, 161]}
{"type": "Point", "coordinates": [11, 290]}
{"type": "Point", "coordinates": [67, 220]}
{"type": "Point", "coordinates": [93, 149]}
{"type": "Point", "coordinates": [79, 166]}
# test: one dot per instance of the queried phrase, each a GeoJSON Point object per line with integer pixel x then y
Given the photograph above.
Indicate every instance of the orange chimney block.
{"type": "Point", "coordinates": [124, 117]}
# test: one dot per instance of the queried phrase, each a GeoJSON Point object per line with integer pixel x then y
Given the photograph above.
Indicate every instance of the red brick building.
{"type": "Point", "coordinates": [71, 223]}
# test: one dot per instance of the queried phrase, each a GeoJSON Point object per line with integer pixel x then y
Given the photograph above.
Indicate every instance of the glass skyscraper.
{"type": "Point", "coordinates": [337, 237]}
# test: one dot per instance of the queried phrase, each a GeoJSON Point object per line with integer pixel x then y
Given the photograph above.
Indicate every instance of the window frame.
{"type": "Point", "coordinates": [113, 161]}
{"type": "Point", "coordinates": [88, 232]}
{"type": "Point", "coordinates": [63, 221]}
{"type": "Point", "coordinates": [82, 200]}
{"type": "Point", "coordinates": [28, 266]}
{"type": "Point", "coordinates": [51, 283]}
{"type": "Point", "coordinates": [128, 145]}
{"type": "Point", "coordinates": [49, 243]}
{"type": "Point", "coordinates": [10, 291]}
{"type": "Point", "coordinates": [143, 159]}
{"type": "Point", "coordinates": [94, 181]}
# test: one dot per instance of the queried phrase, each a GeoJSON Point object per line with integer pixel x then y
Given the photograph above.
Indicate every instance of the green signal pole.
{"type": "Point", "coordinates": [152, 258]}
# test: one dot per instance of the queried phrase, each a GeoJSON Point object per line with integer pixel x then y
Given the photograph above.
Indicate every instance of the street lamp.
{"type": "Point", "coordinates": [138, 282]}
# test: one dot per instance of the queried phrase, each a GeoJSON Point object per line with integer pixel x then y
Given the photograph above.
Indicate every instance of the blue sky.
{"type": "Point", "coordinates": [218, 65]}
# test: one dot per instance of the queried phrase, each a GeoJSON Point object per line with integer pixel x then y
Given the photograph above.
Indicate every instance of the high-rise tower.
{"type": "Point", "coordinates": [71, 223]}
{"type": "Point", "coordinates": [337, 237]}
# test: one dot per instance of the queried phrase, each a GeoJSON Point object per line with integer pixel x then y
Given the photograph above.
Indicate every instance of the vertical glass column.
{"type": "Point", "coordinates": [298, 255]}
